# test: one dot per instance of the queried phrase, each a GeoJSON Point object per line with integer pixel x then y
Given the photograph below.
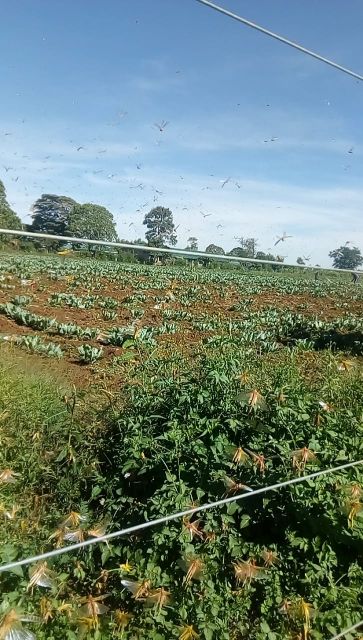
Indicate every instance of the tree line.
{"type": "Point", "coordinates": [62, 216]}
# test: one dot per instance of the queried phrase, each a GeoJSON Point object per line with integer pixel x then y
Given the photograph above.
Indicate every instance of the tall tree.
{"type": "Point", "coordinates": [160, 227]}
{"type": "Point", "coordinates": [300, 260]}
{"type": "Point", "coordinates": [238, 252]}
{"type": "Point", "coordinates": [91, 221]}
{"type": "Point", "coordinates": [249, 246]}
{"type": "Point", "coordinates": [3, 200]}
{"type": "Point", "coordinates": [51, 213]}
{"type": "Point", "coordinates": [346, 257]}
{"type": "Point", "coordinates": [192, 243]}
{"type": "Point", "coordinates": [261, 255]}
{"type": "Point", "coordinates": [213, 248]}
{"type": "Point", "coordinates": [8, 218]}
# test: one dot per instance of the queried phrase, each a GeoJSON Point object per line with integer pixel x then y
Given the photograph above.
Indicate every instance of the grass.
{"type": "Point", "coordinates": [45, 444]}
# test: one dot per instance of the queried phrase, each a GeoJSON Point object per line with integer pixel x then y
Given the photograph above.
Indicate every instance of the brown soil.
{"type": "Point", "coordinates": [326, 308]}
{"type": "Point", "coordinates": [213, 302]}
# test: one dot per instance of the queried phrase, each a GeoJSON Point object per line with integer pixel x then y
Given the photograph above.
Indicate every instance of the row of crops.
{"type": "Point", "coordinates": [180, 387]}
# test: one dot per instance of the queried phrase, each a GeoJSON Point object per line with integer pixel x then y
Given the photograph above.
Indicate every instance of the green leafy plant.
{"type": "Point", "coordinates": [109, 314]}
{"type": "Point", "coordinates": [88, 354]}
{"type": "Point", "coordinates": [21, 301]}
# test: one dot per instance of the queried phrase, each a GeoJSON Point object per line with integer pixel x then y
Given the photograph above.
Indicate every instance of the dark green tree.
{"type": "Point", "coordinates": [138, 255]}
{"type": "Point", "coordinates": [51, 213]}
{"type": "Point", "coordinates": [261, 255]}
{"type": "Point", "coordinates": [91, 221]}
{"type": "Point", "coordinates": [238, 252]}
{"type": "Point", "coordinates": [192, 244]}
{"type": "Point", "coordinates": [300, 260]}
{"type": "Point", "coordinates": [160, 227]}
{"type": "Point", "coordinates": [8, 218]}
{"type": "Point", "coordinates": [213, 248]}
{"type": "Point", "coordinates": [346, 257]}
{"type": "Point", "coordinates": [248, 246]}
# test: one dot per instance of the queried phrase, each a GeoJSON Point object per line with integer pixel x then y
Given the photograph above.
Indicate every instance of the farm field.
{"type": "Point", "coordinates": [130, 392]}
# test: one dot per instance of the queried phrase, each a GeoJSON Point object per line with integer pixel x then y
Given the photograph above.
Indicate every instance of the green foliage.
{"type": "Point", "coordinates": [237, 252]}
{"type": "Point", "coordinates": [247, 248]}
{"type": "Point", "coordinates": [213, 248]}
{"type": "Point", "coordinates": [88, 354]}
{"type": "Point", "coordinates": [260, 255]}
{"type": "Point", "coordinates": [21, 301]}
{"type": "Point", "coordinates": [71, 300]}
{"type": "Point", "coordinates": [176, 444]}
{"type": "Point", "coordinates": [346, 257]}
{"type": "Point", "coordinates": [192, 244]}
{"type": "Point", "coordinates": [21, 316]}
{"type": "Point", "coordinates": [61, 215]}
{"type": "Point", "coordinates": [34, 344]}
{"type": "Point", "coordinates": [91, 221]}
{"type": "Point", "coordinates": [51, 214]}
{"type": "Point", "coordinates": [8, 218]}
{"type": "Point", "coordinates": [45, 448]}
{"type": "Point", "coordinates": [109, 314]}
{"type": "Point", "coordinates": [160, 227]}
{"type": "Point", "coordinates": [106, 302]}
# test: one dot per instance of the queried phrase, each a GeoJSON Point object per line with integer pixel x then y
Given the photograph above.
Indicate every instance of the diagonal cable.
{"type": "Point", "coordinates": [342, 634]}
{"type": "Point", "coordinates": [282, 39]}
{"type": "Point", "coordinates": [180, 514]}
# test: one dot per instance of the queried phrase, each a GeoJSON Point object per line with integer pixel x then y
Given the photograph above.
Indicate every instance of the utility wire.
{"type": "Point", "coordinates": [276, 36]}
{"type": "Point", "coordinates": [174, 516]}
{"type": "Point", "coordinates": [173, 252]}
{"type": "Point", "coordinates": [342, 634]}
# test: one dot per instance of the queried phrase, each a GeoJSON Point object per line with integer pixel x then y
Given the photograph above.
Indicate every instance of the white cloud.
{"type": "Point", "coordinates": [319, 216]}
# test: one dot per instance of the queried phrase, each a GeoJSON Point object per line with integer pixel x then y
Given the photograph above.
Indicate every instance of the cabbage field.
{"type": "Point", "coordinates": [130, 392]}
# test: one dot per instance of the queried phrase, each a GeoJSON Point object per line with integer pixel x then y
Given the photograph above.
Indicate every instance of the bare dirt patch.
{"type": "Point", "coordinates": [209, 301]}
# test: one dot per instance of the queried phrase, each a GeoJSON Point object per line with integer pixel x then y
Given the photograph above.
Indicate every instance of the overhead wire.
{"type": "Point", "coordinates": [164, 250]}
{"type": "Point", "coordinates": [342, 634]}
{"type": "Point", "coordinates": [282, 39]}
{"type": "Point", "coordinates": [174, 516]}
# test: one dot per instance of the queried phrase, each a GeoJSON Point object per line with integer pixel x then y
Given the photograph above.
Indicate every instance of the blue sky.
{"type": "Point", "coordinates": [239, 105]}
